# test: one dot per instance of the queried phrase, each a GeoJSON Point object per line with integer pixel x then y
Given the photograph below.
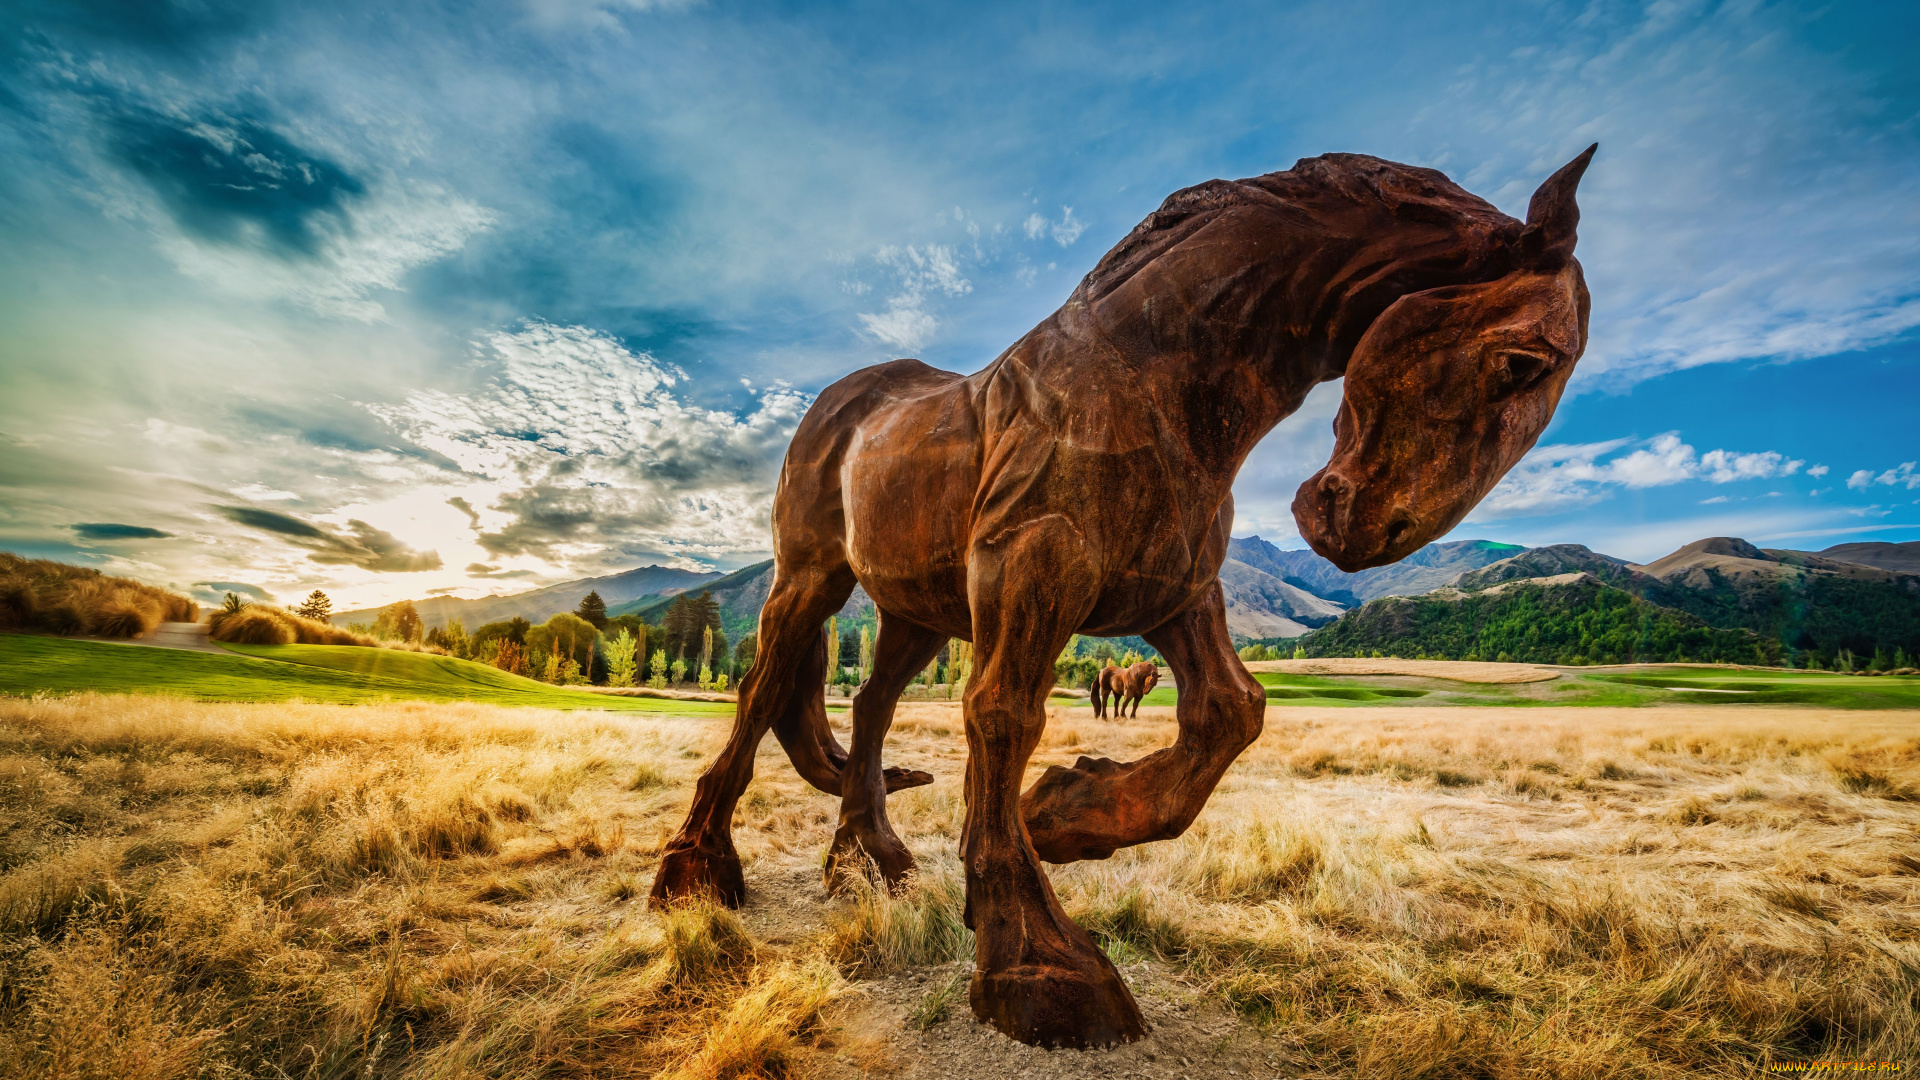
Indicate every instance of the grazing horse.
{"type": "Point", "coordinates": [1132, 684]}
{"type": "Point", "coordinates": [1082, 483]}
{"type": "Point", "coordinates": [1106, 684]}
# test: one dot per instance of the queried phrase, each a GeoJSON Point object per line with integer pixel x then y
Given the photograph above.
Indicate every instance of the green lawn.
{"type": "Point", "coordinates": [340, 674]}
{"type": "Point", "coordinates": [1611, 687]}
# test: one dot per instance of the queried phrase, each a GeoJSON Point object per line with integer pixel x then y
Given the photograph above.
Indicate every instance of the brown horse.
{"type": "Point", "coordinates": [1131, 684]}
{"type": "Point", "coordinates": [1106, 684]}
{"type": "Point", "coordinates": [1455, 327]}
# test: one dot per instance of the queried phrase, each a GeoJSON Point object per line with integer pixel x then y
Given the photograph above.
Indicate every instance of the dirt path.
{"type": "Point", "coordinates": [190, 636]}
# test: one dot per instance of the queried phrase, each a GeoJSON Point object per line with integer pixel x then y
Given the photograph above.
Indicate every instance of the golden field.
{"type": "Point", "coordinates": [445, 890]}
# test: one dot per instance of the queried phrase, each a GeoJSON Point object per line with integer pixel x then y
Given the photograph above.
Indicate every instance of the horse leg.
{"type": "Point", "coordinates": [700, 860]}
{"type": "Point", "coordinates": [1100, 806]}
{"type": "Point", "coordinates": [1099, 696]}
{"type": "Point", "coordinates": [802, 728]}
{"type": "Point", "coordinates": [900, 652]}
{"type": "Point", "coordinates": [1038, 977]}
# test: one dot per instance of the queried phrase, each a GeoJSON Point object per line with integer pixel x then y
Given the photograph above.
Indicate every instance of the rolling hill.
{"type": "Point", "coordinates": [1790, 601]}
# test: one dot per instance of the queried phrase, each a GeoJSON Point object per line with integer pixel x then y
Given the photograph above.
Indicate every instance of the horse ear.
{"type": "Point", "coordinates": [1552, 217]}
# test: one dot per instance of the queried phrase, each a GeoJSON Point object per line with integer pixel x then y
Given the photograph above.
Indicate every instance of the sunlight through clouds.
{"type": "Point", "coordinates": [581, 452]}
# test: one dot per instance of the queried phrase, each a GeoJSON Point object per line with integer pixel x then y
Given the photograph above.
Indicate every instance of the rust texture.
{"type": "Point", "coordinates": [1081, 483]}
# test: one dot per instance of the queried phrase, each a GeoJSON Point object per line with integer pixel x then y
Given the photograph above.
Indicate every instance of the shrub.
{"type": "Point", "coordinates": [255, 624]}
{"type": "Point", "coordinates": [40, 595]}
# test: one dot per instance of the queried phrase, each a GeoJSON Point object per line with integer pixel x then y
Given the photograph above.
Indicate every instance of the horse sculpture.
{"type": "Point", "coordinates": [1083, 485]}
{"type": "Point", "coordinates": [1124, 685]}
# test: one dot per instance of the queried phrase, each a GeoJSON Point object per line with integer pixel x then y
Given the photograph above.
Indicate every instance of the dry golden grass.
{"type": "Point", "coordinates": [444, 890]}
{"type": "Point", "coordinates": [43, 596]}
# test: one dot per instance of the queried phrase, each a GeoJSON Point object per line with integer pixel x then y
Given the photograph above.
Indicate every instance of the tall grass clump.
{"type": "Point", "coordinates": [917, 926]}
{"type": "Point", "coordinates": [47, 597]}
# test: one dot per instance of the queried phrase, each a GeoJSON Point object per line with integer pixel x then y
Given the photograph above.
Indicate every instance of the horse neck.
{"type": "Point", "coordinates": [1299, 300]}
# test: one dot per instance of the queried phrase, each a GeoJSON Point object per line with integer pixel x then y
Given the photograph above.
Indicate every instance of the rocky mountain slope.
{"type": "Point", "coordinates": [538, 605]}
{"type": "Point", "coordinates": [1421, 572]}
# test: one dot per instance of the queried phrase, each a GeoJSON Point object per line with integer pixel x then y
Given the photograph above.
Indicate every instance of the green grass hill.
{"type": "Point", "coordinates": [325, 673]}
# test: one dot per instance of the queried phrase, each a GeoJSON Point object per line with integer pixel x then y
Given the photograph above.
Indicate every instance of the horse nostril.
{"type": "Point", "coordinates": [1402, 522]}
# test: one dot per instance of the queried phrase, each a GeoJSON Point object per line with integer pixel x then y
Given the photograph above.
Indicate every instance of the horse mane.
{"type": "Point", "coordinates": [1310, 190]}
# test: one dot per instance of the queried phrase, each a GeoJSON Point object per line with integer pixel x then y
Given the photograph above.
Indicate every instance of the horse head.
{"type": "Point", "coordinates": [1445, 392]}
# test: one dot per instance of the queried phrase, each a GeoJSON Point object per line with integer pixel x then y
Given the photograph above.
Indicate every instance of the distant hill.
{"type": "Point", "coordinates": [1568, 618]}
{"type": "Point", "coordinates": [539, 605]}
{"type": "Point", "coordinates": [1800, 600]}
{"type": "Point", "coordinates": [1902, 557]}
{"type": "Point", "coordinates": [1421, 572]}
{"type": "Point", "coordinates": [741, 595]}
{"type": "Point", "coordinates": [1804, 600]}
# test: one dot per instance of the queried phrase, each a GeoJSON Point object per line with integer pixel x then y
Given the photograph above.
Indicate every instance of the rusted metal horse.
{"type": "Point", "coordinates": [1125, 686]}
{"type": "Point", "coordinates": [1455, 327]}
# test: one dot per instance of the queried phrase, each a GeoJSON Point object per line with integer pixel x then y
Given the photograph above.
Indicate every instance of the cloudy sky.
{"type": "Point", "coordinates": [474, 297]}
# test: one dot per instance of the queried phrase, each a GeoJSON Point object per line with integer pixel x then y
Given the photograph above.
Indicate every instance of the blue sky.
{"type": "Point", "coordinates": [465, 298]}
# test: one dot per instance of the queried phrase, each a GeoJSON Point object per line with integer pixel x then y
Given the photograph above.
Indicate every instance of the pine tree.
{"type": "Point", "coordinates": [316, 606]}
{"type": "Point", "coordinates": [593, 609]}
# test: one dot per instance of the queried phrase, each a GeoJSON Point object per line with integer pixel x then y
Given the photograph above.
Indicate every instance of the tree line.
{"type": "Point", "coordinates": [1581, 623]}
{"type": "Point", "coordinates": [584, 646]}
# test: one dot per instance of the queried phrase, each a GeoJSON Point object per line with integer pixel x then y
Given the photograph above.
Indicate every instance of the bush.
{"type": "Point", "coordinates": [264, 624]}
{"type": "Point", "coordinates": [43, 596]}
{"type": "Point", "coordinates": [255, 624]}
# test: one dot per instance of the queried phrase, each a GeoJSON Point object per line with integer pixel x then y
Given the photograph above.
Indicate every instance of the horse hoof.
{"type": "Point", "coordinates": [851, 858]}
{"type": "Point", "coordinates": [1087, 1007]}
{"type": "Point", "coordinates": [691, 874]}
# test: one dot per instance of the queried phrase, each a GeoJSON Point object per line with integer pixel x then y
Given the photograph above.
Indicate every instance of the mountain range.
{"type": "Point", "coordinates": [539, 605]}
{"type": "Point", "coordinates": [1853, 596]}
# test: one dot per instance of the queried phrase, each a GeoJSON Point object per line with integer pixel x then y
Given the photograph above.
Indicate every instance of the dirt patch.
{"type": "Point", "coordinates": [1457, 670]}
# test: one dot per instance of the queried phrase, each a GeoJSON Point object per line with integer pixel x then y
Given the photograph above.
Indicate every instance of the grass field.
{"type": "Point", "coordinates": [1598, 687]}
{"type": "Point", "coordinates": [1609, 687]}
{"type": "Point", "coordinates": [456, 890]}
{"type": "Point", "coordinates": [339, 674]}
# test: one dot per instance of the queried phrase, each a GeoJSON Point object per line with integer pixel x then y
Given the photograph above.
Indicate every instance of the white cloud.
{"type": "Point", "coordinates": [1064, 232]}
{"type": "Point", "coordinates": [585, 451]}
{"type": "Point", "coordinates": [1564, 475]}
{"type": "Point", "coordinates": [1902, 475]}
{"type": "Point", "coordinates": [1860, 479]}
{"type": "Point", "coordinates": [1818, 471]}
{"type": "Point", "coordinates": [906, 324]}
